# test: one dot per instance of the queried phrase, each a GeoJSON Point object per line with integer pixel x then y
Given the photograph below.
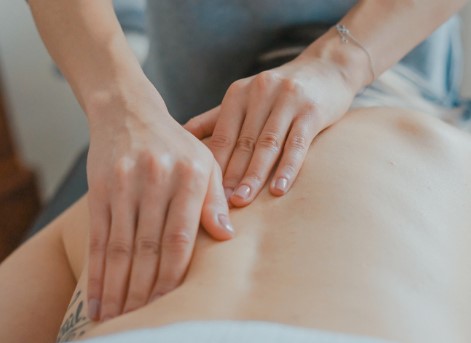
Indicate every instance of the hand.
{"type": "Point", "coordinates": [150, 182]}
{"type": "Point", "coordinates": [272, 116]}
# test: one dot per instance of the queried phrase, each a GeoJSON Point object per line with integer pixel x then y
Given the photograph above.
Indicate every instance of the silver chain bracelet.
{"type": "Point", "coordinates": [346, 36]}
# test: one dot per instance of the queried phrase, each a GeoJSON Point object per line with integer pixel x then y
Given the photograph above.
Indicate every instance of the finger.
{"type": "Point", "coordinates": [230, 121]}
{"type": "Point", "coordinates": [267, 151]}
{"type": "Point", "coordinates": [215, 212]}
{"type": "Point", "coordinates": [145, 262]}
{"type": "Point", "coordinates": [261, 97]}
{"type": "Point", "coordinates": [179, 234]}
{"type": "Point", "coordinates": [305, 128]}
{"type": "Point", "coordinates": [99, 231]}
{"type": "Point", "coordinates": [119, 251]}
{"type": "Point", "coordinates": [202, 126]}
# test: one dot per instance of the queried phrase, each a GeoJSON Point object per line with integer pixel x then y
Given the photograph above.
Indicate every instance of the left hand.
{"type": "Point", "coordinates": [271, 116]}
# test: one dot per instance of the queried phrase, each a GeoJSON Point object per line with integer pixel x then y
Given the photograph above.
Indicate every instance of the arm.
{"type": "Point", "coordinates": [86, 41]}
{"type": "Point", "coordinates": [387, 29]}
{"type": "Point", "coordinates": [149, 180]}
{"type": "Point", "coordinates": [286, 107]}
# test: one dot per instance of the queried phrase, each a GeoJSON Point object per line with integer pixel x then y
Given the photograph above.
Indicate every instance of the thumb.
{"type": "Point", "coordinates": [203, 125]}
{"type": "Point", "coordinates": [215, 212]}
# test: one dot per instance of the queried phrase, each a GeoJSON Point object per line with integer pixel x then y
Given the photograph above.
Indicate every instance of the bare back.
{"type": "Point", "coordinates": [373, 239]}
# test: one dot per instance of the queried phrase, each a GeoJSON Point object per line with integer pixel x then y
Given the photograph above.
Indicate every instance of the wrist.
{"type": "Point", "coordinates": [129, 96]}
{"type": "Point", "coordinates": [109, 74]}
{"type": "Point", "coordinates": [352, 62]}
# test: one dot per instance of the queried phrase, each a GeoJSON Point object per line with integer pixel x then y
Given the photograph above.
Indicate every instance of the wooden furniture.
{"type": "Point", "coordinates": [19, 198]}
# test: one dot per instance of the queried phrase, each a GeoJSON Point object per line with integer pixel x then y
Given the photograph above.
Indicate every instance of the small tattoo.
{"type": "Point", "coordinates": [74, 326]}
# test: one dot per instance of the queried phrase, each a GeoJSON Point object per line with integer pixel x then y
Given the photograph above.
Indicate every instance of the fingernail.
{"type": "Point", "coordinates": [281, 184]}
{"type": "Point", "coordinates": [226, 224]}
{"type": "Point", "coordinates": [228, 192]}
{"type": "Point", "coordinates": [243, 192]}
{"type": "Point", "coordinates": [93, 309]}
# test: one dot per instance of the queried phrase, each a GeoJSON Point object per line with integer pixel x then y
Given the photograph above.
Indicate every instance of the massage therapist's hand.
{"type": "Point", "coordinates": [273, 116]}
{"type": "Point", "coordinates": [150, 183]}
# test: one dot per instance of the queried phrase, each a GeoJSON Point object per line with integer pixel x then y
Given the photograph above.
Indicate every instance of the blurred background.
{"type": "Point", "coordinates": [46, 123]}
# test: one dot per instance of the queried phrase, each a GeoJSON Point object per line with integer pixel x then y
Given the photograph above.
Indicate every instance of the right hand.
{"type": "Point", "coordinates": [150, 183]}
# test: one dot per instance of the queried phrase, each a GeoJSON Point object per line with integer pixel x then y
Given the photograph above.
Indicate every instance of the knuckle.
{"type": "Point", "coordinates": [297, 143]}
{"type": "Point", "coordinates": [192, 169]}
{"type": "Point", "coordinates": [146, 246]}
{"type": "Point", "coordinates": [309, 109]}
{"type": "Point", "coordinates": [220, 141]}
{"type": "Point", "coordinates": [164, 162]}
{"type": "Point", "coordinates": [178, 241]}
{"type": "Point", "coordinates": [149, 162]}
{"type": "Point", "coordinates": [289, 168]}
{"type": "Point", "coordinates": [118, 249]}
{"type": "Point", "coordinates": [192, 176]}
{"type": "Point", "coordinates": [97, 244]}
{"type": "Point", "coordinates": [122, 172]}
{"type": "Point", "coordinates": [123, 166]}
{"type": "Point", "coordinates": [264, 79]}
{"type": "Point", "coordinates": [270, 141]}
{"type": "Point", "coordinates": [156, 169]}
{"type": "Point", "coordinates": [245, 143]}
{"type": "Point", "coordinates": [290, 86]}
{"type": "Point", "coordinates": [235, 88]}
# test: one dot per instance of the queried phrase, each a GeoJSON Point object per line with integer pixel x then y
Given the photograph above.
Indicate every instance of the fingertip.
{"type": "Point", "coordinates": [94, 305]}
{"type": "Point", "coordinates": [219, 227]}
{"type": "Point", "coordinates": [242, 196]}
{"type": "Point", "coordinates": [215, 213]}
{"type": "Point", "coordinates": [279, 186]}
{"type": "Point", "coordinates": [239, 202]}
{"type": "Point", "coordinates": [276, 192]}
{"type": "Point", "coordinates": [226, 225]}
{"type": "Point", "coordinates": [94, 309]}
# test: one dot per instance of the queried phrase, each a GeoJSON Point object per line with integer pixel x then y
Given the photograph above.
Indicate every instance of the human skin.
{"type": "Point", "coordinates": [373, 240]}
{"type": "Point", "coordinates": [135, 143]}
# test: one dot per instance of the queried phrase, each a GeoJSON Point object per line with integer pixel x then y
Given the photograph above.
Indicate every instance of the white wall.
{"type": "Point", "coordinates": [48, 123]}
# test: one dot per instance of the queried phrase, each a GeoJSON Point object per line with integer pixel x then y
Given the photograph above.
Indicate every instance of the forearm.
{"type": "Point", "coordinates": [387, 29]}
{"type": "Point", "coordinates": [87, 43]}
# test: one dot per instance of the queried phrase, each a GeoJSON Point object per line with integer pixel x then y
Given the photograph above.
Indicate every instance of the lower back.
{"type": "Point", "coordinates": [371, 240]}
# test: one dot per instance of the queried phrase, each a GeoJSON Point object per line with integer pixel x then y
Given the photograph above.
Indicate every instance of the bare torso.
{"type": "Point", "coordinates": [373, 239]}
